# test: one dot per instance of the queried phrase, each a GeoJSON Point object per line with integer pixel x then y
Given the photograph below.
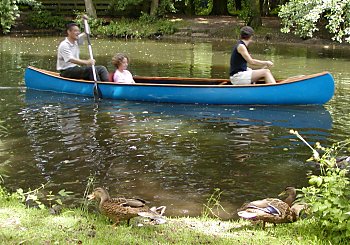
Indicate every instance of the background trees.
{"type": "Point", "coordinates": [305, 17]}
{"type": "Point", "coordinates": [302, 17]}
{"type": "Point", "coordinates": [9, 11]}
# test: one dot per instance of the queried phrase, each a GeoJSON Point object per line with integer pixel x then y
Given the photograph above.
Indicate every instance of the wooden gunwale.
{"type": "Point", "coordinates": [194, 80]}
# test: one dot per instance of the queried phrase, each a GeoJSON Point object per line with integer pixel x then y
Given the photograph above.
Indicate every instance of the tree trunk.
{"type": "Point", "coordinates": [255, 15]}
{"type": "Point", "coordinates": [219, 7]}
{"type": "Point", "coordinates": [154, 7]}
{"type": "Point", "coordinates": [190, 8]}
{"type": "Point", "coordinates": [90, 8]}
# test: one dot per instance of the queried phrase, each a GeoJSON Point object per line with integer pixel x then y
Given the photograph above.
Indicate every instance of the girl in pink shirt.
{"type": "Point", "coordinates": [121, 74]}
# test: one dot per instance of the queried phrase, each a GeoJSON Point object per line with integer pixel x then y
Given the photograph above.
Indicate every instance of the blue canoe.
{"type": "Point", "coordinates": [301, 90]}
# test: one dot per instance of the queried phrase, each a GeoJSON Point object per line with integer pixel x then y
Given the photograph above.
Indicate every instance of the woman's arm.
{"type": "Point", "coordinates": [244, 52]}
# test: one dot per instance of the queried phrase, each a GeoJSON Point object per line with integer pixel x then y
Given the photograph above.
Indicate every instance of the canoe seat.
{"type": "Point", "coordinates": [110, 77]}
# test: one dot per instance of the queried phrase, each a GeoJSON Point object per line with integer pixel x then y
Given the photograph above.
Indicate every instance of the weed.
{"type": "Point", "coordinates": [37, 198]}
{"type": "Point", "coordinates": [213, 206]}
{"type": "Point", "coordinates": [88, 189]}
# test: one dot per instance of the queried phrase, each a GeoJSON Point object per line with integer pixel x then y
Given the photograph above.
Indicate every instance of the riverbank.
{"type": "Point", "coordinates": [177, 27]}
{"type": "Point", "coordinates": [21, 225]}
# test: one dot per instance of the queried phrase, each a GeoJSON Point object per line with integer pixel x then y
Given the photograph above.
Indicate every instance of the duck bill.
{"type": "Point", "coordinates": [91, 196]}
{"type": "Point", "coordinates": [283, 193]}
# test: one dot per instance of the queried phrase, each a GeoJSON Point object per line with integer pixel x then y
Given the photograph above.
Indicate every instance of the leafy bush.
{"type": "Point", "coordinates": [43, 19]}
{"type": "Point", "coordinates": [9, 12]}
{"type": "Point", "coordinates": [203, 7]}
{"type": "Point", "coordinates": [328, 195]}
{"type": "Point", "coordinates": [303, 18]}
{"type": "Point", "coordinates": [145, 26]}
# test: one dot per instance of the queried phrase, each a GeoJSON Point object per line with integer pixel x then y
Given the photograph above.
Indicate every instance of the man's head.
{"type": "Point", "coordinates": [73, 31]}
{"type": "Point", "coordinates": [246, 32]}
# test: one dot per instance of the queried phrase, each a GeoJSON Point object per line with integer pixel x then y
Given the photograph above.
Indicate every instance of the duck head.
{"type": "Point", "coordinates": [99, 194]}
{"type": "Point", "coordinates": [291, 195]}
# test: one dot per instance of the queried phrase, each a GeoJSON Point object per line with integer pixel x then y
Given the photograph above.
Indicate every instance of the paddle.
{"type": "Point", "coordinates": [96, 92]}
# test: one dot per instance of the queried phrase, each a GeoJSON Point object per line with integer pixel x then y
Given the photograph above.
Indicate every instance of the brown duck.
{"type": "Point", "coordinates": [120, 208]}
{"type": "Point", "coordinates": [271, 210]}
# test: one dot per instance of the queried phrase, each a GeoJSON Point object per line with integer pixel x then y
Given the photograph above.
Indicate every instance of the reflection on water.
{"type": "Point", "coordinates": [166, 153]}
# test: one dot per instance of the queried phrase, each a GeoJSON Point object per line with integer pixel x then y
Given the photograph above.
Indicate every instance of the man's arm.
{"type": "Point", "coordinates": [244, 52]}
{"type": "Point", "coordinates": [82, 62]}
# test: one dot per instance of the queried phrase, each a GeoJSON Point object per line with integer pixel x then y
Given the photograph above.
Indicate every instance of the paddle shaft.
{"type": "Point", "coordinates": [87, 32]}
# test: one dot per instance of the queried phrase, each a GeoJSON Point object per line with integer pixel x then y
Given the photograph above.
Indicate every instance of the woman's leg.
{"type": "Point", "coordinates": [263, 73]}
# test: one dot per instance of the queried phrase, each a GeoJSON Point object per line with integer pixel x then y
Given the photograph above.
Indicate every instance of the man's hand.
{"type": "Point", "coordinates": [90, 62]}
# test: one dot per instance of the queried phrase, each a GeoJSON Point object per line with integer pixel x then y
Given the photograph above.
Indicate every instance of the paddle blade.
{"type": "Point", "coordinates": [96, 92]}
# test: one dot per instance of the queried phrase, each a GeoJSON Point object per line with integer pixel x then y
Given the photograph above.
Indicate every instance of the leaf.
{"type": "Point", "coordinates": [64, 193]}
{"type": "Point", "coordinates": [41, 206]}
{"type": "Point", "coordinates": [59, 201]}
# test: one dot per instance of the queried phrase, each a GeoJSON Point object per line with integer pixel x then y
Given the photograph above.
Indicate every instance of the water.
{"type": "Point", "coordinates": [168, 154]}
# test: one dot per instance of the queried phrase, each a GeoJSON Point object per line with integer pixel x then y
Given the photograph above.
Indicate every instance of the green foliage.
{"type": "Point", "coordinates": [165, 7]}
{"type": "Point", "coordinates": [203, 7]}
{"type": "Point", "coordinates": [304, 17]}
{"type": "Point", "coordinates": [328, 194]}
{"type": "Point", "coordinates": [37, 198]}
{"type": "Point", "coordinates": [122, 5]}
{"type": "Point", "coordinates": [213, 206]}
{"type": "Point", "coordinates": [145, 26]}
{"type": "Point", "coordinates": [9, 12]}
{"type": "Point", "coordinates": [245, 13]}
{"type": "Point", "coordinates": [3, 132]}
{"type": "Point", "coordinates": [43, 19]}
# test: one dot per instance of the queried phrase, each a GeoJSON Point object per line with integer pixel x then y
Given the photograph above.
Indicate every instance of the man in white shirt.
{"type": "Point", "coordinates": [68, 62]}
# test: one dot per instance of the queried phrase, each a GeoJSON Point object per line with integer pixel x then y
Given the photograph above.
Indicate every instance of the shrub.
{"type": "Point", "coordinates": [43, 19]}
{"type": "Point", "coordinates": [9, 12]}
{"type": "Point", "coordinates": [145, 26]}
{"type": "Point", "coordinates": [328, 194]}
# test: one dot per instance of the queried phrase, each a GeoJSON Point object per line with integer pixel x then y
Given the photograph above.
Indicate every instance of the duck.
{"type": "Point", "coordinates": [271, 210]}
{"type": "Point", "coordinates": [121, 208]}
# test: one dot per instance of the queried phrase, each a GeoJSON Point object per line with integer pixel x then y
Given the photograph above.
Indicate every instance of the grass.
{"type": "Point", "coordinates": [21, 225]}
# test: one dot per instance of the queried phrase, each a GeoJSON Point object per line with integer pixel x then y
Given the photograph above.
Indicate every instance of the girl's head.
{"type": "Point", "coordinates": [120, 61]}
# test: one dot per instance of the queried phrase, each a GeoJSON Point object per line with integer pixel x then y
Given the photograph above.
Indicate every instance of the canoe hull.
{"type": "Point", "coordinates": [316, 89]}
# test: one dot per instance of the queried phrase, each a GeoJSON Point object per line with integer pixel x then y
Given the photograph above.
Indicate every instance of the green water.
{"type": "Point", "coordinates": [174, 155]}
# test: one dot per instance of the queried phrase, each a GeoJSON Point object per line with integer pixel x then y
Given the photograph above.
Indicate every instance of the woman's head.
{"type": "Point", "coordinates": [246, 32]}
{"type": "Point", "coordinates": [120, 61]}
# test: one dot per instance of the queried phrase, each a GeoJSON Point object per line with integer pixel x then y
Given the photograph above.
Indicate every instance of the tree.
{"type": "Point", "coordinates": [9, 12]}
{"type": "Point", "coordinates": [90, 8]}
{"type": "Point", "coordinates": [154, 7]}
{"type": "Point", "coordinates": [254, 19]}
{"type": "Point", "coordinates": [220, 7]}
{"type": "Point", "coordinates": [305, 17]}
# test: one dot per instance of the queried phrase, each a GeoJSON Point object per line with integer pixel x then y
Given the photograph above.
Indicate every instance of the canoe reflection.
{"type": "Point", "coordinates": [282, 116]}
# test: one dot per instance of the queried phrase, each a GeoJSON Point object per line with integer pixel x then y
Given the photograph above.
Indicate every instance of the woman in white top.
{"type": "Point", "coordinates": [121, 74]}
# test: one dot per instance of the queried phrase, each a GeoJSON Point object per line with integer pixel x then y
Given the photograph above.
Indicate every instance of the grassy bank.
{"type": "Point", "coordinates": [21, 225]}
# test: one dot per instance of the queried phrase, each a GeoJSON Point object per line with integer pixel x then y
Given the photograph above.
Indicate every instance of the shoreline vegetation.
{"type": "Point", "coordinates": [22, 225]}
{"type": "Point", "coordinates": [172, 27]}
